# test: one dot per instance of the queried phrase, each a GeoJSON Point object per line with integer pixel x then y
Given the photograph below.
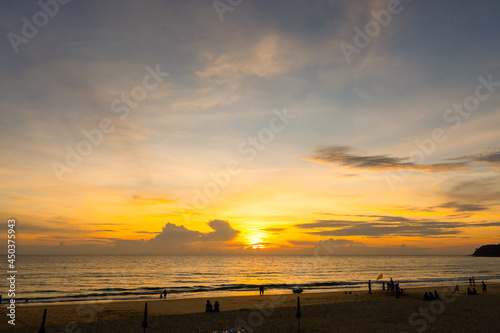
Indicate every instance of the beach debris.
{"type": "Point", "coordinates": [42, 328]}
{"type": "Point", "coordinates": [297, 290]}
{"type": "Point", "coordinates": [145, 320]}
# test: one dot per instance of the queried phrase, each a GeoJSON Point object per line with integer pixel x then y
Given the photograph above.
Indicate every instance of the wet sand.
{"type": "Point", "coordinates": [321, 312]}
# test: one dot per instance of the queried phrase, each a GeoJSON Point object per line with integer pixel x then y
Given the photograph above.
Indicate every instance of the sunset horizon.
{"type": "Point", "coordinates": [245, 130]}
{"type": "Point", "coordinates": [249, 166]}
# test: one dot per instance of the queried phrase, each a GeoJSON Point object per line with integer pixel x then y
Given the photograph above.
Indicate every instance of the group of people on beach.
{"type": "Point", "coordinates": [474, 291]}
{"type": "Point", "coordinates": [209, 308]}
{"type": "Point", "coordinates": [392, 287]}
{"type": "Point", "coordinates": [472, 282]}
{"type": "Point", "coordinates": [429, 296]}
{"type": "Point", "coordinates": [164, 294]}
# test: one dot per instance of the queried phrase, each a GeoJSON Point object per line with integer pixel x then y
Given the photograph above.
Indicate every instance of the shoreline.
{"type": "Point", "coordinates": [357, 287]}
{"type": "Point", "coordinates": [112, 313]}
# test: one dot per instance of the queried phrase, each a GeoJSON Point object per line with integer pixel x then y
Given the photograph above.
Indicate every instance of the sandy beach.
{"type": "Point", "coordinates": [321, 312]}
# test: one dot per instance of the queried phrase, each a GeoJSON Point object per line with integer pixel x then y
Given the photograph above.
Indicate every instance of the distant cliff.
{"type": "Point", "coordinates": [487, 251]}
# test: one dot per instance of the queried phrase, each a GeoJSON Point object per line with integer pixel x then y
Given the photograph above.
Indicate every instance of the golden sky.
{"type": "Point", "coordinates": [273, 128]}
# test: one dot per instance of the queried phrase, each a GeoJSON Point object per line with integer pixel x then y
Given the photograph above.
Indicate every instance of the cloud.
{"type": "Point", "coordinates": [344, 223]}
{"type": "Point", "coordinates": [482, 189]}
{"type": "Point", "coordinates": [173, 234]}
{"type": "Point", "coordinates": [389, 226]}
{"type": "Point", "coordinates": [222, 232]}
{"type": "Point", "coordinates": [489, 156]}
{"type": "Point", "coordinates": [395, 230]}
{"type": "Point", "coordinates": [348, 247]}
{"type": "Point", "coordinates": [463, 207]}
{"type": "Point", "coordinates": [176, 238]}
{"type": "Point", "coordinates": [266, 58]}
{"type": "Point", "coordinates": [341, 155]}
{"type": "Point", "coordinates": [337, 242]}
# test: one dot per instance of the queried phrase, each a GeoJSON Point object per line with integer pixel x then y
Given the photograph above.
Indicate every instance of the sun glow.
{"type": "Point", "coordinates": [256, 240]}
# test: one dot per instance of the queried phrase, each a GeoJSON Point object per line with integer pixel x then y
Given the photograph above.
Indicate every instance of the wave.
{"type": "Point", "coordinates": [187, 291]}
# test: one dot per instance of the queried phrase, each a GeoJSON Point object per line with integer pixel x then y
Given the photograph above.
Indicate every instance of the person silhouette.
{"type": "Point", "coordinates": [484, 288]}
{"type": "Point", "coordinates": [208, 307]}
{"type": "Point", "coordinates": [369, 286]}
{"type": "Point", "coordinates": [470, 281]}
{"type": "Point", "coordinates": [165, 293]}
{"type": "Point", "coordinates": [436, 295]}
{"type": "Point", "coordinates": [473, 282]}
{"type": "Point", "coordinates": [216, 306]}
{"type": "Point", "coordinates": [426, 296]}
{"type": "Point", "coordinates": [469, 292]}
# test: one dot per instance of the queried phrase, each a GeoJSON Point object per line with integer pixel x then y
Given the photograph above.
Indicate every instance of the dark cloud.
{"type": "Point", "coordinates": [344, 223]}
{"type": "Point", "coordinates": [222, 231]}
{"type": "Point", "coordinates": [325, 224]}
{"type": "Point", "coordinates": [407, 230]}
{"type": "Point", "coordinates": [173, 236]}
{"type": "Point", "coordinates": [490, 156]}
{"type": "Point", "coordinates": [463, 207]}
{"type": "Point", "coordinates": [341, 155]}
{"type": "Point", "coordinates": [388, 226]}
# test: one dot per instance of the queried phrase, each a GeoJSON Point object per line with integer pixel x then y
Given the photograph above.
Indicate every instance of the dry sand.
{"type": "Point", "coordinates": [321, 312]}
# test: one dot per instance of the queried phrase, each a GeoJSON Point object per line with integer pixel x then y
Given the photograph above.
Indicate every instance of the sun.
{"type": "Point", "coordinates": [255, 240]}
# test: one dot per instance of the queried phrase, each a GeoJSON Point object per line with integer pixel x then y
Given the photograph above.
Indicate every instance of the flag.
{"type": "Point", "coordinates": [380, 277]}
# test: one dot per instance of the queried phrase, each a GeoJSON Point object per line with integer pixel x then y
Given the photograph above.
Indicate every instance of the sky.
{"type": "Point", "coordinates": [250, 127]}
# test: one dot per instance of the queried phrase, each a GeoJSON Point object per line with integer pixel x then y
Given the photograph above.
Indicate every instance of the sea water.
{"type": "Point", "coordinates": [86, 278]}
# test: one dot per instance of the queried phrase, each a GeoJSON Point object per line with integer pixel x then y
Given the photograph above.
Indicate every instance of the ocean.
{"type": "Point", "coordinates": [44, 279]}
